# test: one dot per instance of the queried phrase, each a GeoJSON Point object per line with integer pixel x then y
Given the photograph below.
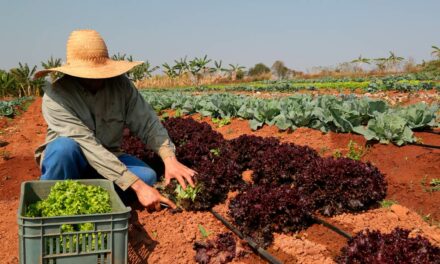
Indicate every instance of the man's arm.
{"type": "Point", "coordinates": [143, 121]}
{"type": "Point", "coordinates": [65, 124]}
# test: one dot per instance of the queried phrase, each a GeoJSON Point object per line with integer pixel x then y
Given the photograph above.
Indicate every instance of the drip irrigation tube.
{"type": "Point", "coordinates": [263, 253]}
{"type": "Point", "coordinates": [425, 145]}
{"type": "Point", "coordinates": [332, 227]}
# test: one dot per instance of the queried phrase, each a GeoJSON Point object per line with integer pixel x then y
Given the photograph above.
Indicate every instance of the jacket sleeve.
{"type": "Point", "coordinates": [66, 124]}
{"type": "Point", "coordinates": [142, 120]}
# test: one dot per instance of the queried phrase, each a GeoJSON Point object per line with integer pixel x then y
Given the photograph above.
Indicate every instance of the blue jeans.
{"type": "Point", "coordinates": [63, 159]}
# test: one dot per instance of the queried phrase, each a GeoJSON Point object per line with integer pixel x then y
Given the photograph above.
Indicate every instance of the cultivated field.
{"type": "Point", "coordinates": [272, 158]}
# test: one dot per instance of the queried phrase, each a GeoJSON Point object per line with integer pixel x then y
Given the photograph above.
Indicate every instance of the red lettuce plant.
{"type": "Point", "coordinates": [396, 247]}
{"type": "Point", "coordinates": [341, 185]}
{"type": "Point", "coordinates": [220, 250]}
{"type": "Point", "coordinates": [259, 211]}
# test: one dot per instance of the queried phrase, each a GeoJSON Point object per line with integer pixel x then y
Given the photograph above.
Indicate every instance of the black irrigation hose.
{"type": "Point", "coordinates": [425, 145]}
{"type": "Point", "coordinates": [263, 253]}
{"type": "Point", "coordinates": [332, 227]}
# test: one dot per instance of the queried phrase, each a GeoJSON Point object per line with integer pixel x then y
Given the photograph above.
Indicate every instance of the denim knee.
{"type": "Point", "coordinates": [62, 160]}
{"type": "Point", "coordinates": [63, 147]}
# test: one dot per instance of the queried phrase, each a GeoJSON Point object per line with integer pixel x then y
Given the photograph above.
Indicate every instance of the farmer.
{"type": "Point", "coordinates": [86, 111]}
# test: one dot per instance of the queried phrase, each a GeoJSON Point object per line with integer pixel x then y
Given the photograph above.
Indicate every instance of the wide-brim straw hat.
{"type": "Point", "coordinates": [87, 57]}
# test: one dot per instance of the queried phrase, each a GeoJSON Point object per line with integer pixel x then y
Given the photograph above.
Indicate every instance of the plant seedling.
{"type": "Point", "coordinates": [178, 113]}
{"type": "Point", "coordinates": [221, 121]}
{"type": "Point", "coordinates": [435, 184]}
{"type": "Point", "coordinates": [215, 152]}
{"type": "Point", "coordinates": [189, 193]}
{"type": "Point", "coordinates": [355, 151]}
{"type": "Point", "coordinates": [205, 233]}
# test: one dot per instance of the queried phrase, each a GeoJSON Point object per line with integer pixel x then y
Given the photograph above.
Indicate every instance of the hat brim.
{"type": "Point", "coordinates": [109, 69]}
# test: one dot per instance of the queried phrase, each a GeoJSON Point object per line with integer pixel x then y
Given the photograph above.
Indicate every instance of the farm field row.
{"type": "Point", "coordinates": [372, 118]}
{"type": "Point", "coordinates": [375, 85]}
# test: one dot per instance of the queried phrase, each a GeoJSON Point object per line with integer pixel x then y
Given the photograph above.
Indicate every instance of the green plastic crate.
{"type": "Point", "coordinates": [42, 242]}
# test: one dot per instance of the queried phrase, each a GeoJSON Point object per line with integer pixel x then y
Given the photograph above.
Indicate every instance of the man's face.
{"type": "Point", "coordinates": [92, 84]}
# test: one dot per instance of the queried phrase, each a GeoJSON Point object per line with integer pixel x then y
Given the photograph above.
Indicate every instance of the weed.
{"type": "Point", "coordinates": [205, 233]}
{"type": "Point", "coordinates": [178, 113]}
{"type": "Point", "coordinates": [355, 151]}
{"type": "Point", "coordinates": [337, 154]}
{"type": "Point", "coordinates": [387, 203]}
{"type": "Point", "coordinates": [435, 184]}
{"type": "Point", "coordinates": [221, 121]}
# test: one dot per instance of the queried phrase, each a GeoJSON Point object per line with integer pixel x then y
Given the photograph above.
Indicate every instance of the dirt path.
{"type": "Point", "coordinates": [166, 238]}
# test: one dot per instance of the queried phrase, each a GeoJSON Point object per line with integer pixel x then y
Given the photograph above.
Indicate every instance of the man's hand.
{"type": "Point", "coordinates": [176, 170]}
{"type": "Point", "coordinates": [150, 197]}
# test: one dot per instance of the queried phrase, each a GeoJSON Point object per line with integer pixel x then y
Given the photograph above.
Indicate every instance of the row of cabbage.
{"type": "Point", "coordinates": [374, 119]}
{"type": "Point", "coordinates": [9, 108]}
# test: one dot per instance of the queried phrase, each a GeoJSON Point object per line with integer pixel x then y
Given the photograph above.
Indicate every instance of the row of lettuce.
{"type": "Point", "coordinates": [12, 107]}
{"type": "Point", "coordinates": [374, 119]}
{"type": "Point", "coordinates": [289, 185]}
{"type": "Point", "coordinates": [374, 85]}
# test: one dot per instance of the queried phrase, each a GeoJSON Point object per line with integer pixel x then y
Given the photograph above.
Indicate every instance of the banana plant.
{"type": "Point", "coordinates": [169, 70]}
{"type": "Point", "coordinates": [394, 60]}
{"type": "Point", "coordinates": [361, 60]}
{"type": "Point", "coordinates": [198, 66]}
{"type": "Point", "coordinates": [24, 74]}
{"type": "Point", "coordinates": [217, 69]}
{"type": "Point", "coordinates": [119, 56]}
{"type": "Point", "coordinates": [436, 52]}
{"type": "Point", "coordinates": [234, 68]}
{"type": "Point", "coordinates": [181, 66]}
{"type": "Point", "coordinates": [381, 64]}
{"type": "Point", "coordinates": [7, 84]}
{"type": "Point", "coordinates": [144, 70]}
{"type": "Point", "coordinates": [52, 63]}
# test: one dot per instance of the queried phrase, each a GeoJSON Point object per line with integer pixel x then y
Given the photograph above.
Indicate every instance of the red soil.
{"type": "Point", "coordinates": [162, 237]}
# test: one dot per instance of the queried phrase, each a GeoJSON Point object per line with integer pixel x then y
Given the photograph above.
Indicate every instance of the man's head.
{"type": "Point", "coordinates": [87, 57]}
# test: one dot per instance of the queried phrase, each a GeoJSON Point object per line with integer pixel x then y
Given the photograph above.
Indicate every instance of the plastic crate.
{"type": "Point", "coordinates": [41, 240]}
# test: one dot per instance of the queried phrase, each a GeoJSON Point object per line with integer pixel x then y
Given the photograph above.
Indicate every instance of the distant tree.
{"type": "Point", "coordinates": [142, 71]}
{"type": "Point", "coordinates": [360, 61]}
{"type": "Point", "coordinates": [24, 76]}
{"type": "Point", "coordinates": [234, 70]}
{"type": "Point", "coordinates": [258, 69]}
{"type": "Point", "coordinates": [181, 66]}
{"type": "Point", "coordinates": [280, 70]}
{"type": "Point", "coordinates": [381, 64]}
{"type": "Point", "coordinates": [169, 70]}
{"type": "Point", "coordinates": [436, 52]}
{"type": "Point", "coordinates": [8, 84]}
{"type": "Point", "coordinates": [52, 63]}
{"type": "Point", "coordinates": [217, 69]}
{"type": "Point", "coordinates": [139, 72]}
{"type": "Point", "coordinates": [394, 60]}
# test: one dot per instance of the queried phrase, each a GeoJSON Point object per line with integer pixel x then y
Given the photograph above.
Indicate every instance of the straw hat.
{"type": "Point", "coordinates": [87, 57]}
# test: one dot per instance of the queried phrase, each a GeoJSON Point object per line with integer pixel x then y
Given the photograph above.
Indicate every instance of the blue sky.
{"type": "Point", "coordinates": [301, 33]}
